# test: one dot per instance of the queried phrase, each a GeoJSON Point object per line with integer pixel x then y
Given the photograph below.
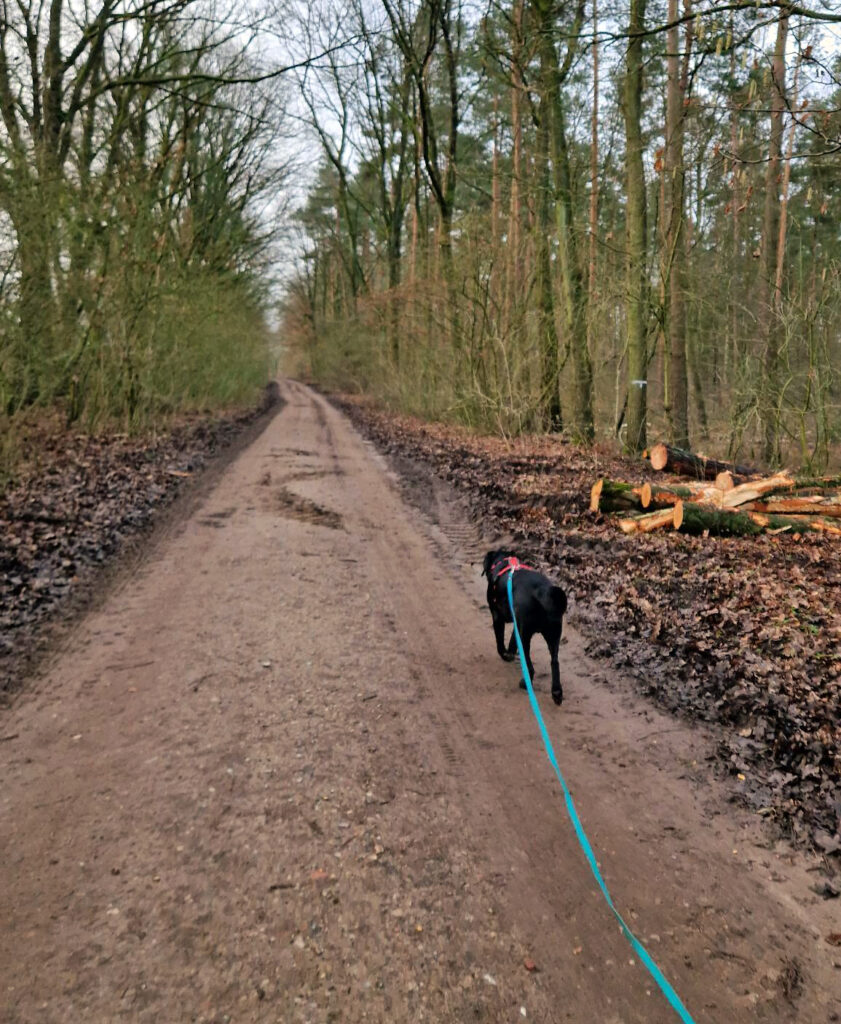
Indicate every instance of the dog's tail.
{"type": "Point", "coordinates": [559, 600]}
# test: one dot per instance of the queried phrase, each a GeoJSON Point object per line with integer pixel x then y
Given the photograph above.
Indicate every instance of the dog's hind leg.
{"type": "Point", "coordinates": [553, 640]}
{"type": "Point", "coordinates": [499, 634]}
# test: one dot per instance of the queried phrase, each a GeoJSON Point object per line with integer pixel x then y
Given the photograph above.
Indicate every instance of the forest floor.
{"type": "Point", "coordinates": [278, 773]}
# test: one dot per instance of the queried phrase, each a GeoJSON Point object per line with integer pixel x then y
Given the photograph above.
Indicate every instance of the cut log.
{"type": "Point", "coordinates": [656, 520]}
{"type": "Point", "coordinates": [683, 463]}
{"type": "Point", "coordinates": [755, 489]}
{"type": "Point", "coordinates": [782, 524]}
{"type": "Point", "coordinates": [811, 485]}
{"type": "Point", "coordinates": [795, 486]}
{"type": "Point", "coordinates": [822, 526]}
{"type": "Point", "coordinates": [718, 522]}
{"type": "Point", "coordinates": [596, 494]}
{"type": "Point", "coordinates": [645, 524]}
{"type": "Point", "coordinates": [815, 505]}
{"type": "Point", "coordinates": [819, 483]}
{"type": "Point", "coordinates": [661, 497]}
{"type": "Point", "coordinates": [695, 519]}
{"type": "Point", "coordinates": [724, 481]}
{"type": "Point", "coordinates": [615, 496]}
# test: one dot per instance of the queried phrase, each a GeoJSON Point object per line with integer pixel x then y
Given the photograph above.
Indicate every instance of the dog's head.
{"type": "Point", "coordinates": [494, 556]}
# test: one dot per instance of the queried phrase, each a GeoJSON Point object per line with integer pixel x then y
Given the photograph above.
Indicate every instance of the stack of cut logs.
{"type": "Point", "coordinates": [721, 499]}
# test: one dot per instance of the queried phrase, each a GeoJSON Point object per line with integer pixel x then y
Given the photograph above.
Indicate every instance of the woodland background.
{"type": "Point", "coordinates": [142, 179]}
{"type": "Point", "coordinates": [615, 220]}
{"type": "Point", "coordinates": [621, 220]}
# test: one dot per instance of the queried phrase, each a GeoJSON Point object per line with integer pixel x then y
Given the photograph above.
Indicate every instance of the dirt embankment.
{"type": "Point", "coordinates": [742, 633]}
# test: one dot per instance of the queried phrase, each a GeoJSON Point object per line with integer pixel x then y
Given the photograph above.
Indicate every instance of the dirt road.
{"type": "Point", "coordinates": [281, 775]}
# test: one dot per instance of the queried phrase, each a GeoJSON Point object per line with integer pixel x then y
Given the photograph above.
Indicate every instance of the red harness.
{"type": "Point", "coordinates": [509, 564]}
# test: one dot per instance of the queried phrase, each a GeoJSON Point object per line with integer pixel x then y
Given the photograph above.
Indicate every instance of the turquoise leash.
{"type": "Point", "coordinates": [641, 951]}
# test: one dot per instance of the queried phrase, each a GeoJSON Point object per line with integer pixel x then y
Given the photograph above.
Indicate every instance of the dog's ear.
{"type": "Point", "coordinates": [487, 562]}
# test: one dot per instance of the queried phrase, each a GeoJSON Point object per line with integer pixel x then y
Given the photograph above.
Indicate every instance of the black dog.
{"type": "Point", "coordinates": [538, 604]}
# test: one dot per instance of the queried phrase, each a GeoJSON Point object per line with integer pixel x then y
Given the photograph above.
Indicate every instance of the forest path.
{"type": "Point", "coordinates": [281, 775]}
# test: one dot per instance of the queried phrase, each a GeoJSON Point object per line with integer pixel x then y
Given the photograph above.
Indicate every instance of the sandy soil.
{"type": "Point", "coordinates": [281, 775]}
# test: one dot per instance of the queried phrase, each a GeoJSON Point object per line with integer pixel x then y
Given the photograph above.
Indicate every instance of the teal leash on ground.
{"type": "Point", "coordinates": [581, 835]}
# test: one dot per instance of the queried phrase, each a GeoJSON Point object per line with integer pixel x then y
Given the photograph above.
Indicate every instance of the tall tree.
{"type": "Point", "coordinates": [769, 292]}
{"type": "Point", "coordinates": [554, 74]}
{"type": "Point", "coordinates": [676, 397]}
{"type": "Point", "coordinates": [636, 302]}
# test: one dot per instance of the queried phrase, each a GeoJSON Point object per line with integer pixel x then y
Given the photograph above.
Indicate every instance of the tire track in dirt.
{"type": "Point", "coordinates": [280, 775]}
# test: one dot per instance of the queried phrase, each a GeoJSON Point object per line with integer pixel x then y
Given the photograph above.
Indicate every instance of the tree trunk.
{"type": "Point", "coordinates": [753, 489]}
{"type": "Point", "coordinates": [661, 497]}
{"type": "Point", "coordinates": [647, 523]}
{"type": "Point", "coordinates": [548, 334]}
{"type": "Point", "coordinates": [705, 519]}
{"type": "Point", "coordinates": [394, 275]}
{"type": "Point", "coordinates": [618, 496]}
{"type": "Point", "coordinates": [789, 524]}
{"type": "Point", "coordinates": [572, 288]}
{"type": "Point", "coordinates": [816, 505]}
{"type": "Point", "coordinates": [35, 236]}
{"type": "Point", "coordinates": [572, 282]}
{"type": "Point", "coordinates": [693, 343]}
{"type": "Point", "coordinates": [684, 463]}
{"type": "Point", "coordinates": [496, 200]}
{"type": "Point", "coordinates": [593, 217]}
{"type": "Point", "coordinates": [513, 270]}
{"type": "Point", "coordinates": [698, 519]}
{"type": "Point", "coordinates": [733, 354]}
{"type": "Point", "coordinates": [768, 313]}
{"type": "Point", "coordinates": [677, 400]}
{"type": "Point", "coordinates": [635, 217]}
